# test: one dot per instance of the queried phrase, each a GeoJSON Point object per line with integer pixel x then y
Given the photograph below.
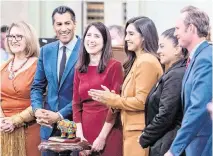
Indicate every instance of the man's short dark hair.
{"type": "Point", "coordinates": [4, 28]}
{"type": "Point", "coordinates": [62, 10]}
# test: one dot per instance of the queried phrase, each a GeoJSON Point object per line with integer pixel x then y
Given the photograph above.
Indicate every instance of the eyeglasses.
{"type": "Point", "coordinates": [17, 37]}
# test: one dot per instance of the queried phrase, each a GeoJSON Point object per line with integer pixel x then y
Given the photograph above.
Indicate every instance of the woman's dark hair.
{"type": "Point", "coordinates": [84, 58]}
{"type": "Point", "coordinates": [169, 33]}
{"type": "Point", "coordinates": [62, 10]}
{"type": "Point", "coordinates": [148, 31]}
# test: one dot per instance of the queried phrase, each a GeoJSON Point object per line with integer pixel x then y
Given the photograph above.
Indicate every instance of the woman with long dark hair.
{"type": "Point", "coordinates": [142, 70]}
{"type": "Point", "coordinates": [163, 108]}
{"type": "Point", "coordinates": [96, 122]}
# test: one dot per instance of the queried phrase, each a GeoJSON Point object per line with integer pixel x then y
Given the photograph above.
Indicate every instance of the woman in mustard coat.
{"type": "Point", "coordinates": [142, 70]}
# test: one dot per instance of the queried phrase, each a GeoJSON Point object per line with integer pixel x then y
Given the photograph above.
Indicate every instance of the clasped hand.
{"type": "Point", "coordinates": [46, 117]}
{"type": "Point", "coordinates": [7, 125]}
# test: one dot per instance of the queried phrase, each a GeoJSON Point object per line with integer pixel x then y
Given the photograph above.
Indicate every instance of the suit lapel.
{"type": "Point", "coordinates": [129, 76]}
{"type": "Point", "coordinates": [186, 75]}
{"type": "Point", "coordinates": [71, 62]}
{"type": "Point", "coordinates": [151, 92]}
{"type": "Point", "coordinates": [127, 79]}
{"type": "Point", "coordinates": [54, 61]}
{"type": "Point", "coordinates": [160, 81]}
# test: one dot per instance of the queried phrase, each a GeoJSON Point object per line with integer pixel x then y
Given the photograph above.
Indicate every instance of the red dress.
{"type": "Point", "coordinates": [91, 113]}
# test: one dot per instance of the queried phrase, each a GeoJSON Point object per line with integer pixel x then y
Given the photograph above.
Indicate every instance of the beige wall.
{"type": "Point", "coordinates": [164, 13]}
{"type": "Point", "coordinates": [38, 13]}
{"type": "Point", "coordinates": [113, 13]}
{"type": "Point", "coordinates": [13, 11]}
{"type": "Point", "coordinates": [46, 9]}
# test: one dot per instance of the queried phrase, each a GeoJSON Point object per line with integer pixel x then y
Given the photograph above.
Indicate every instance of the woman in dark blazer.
{"type": "Point", "coordinates": [163, 109]}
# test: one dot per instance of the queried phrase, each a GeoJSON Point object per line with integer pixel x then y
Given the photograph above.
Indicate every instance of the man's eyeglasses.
{"type": "Point", "coordinates": [17, 37]}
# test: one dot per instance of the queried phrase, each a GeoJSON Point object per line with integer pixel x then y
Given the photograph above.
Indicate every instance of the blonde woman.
{"type": "Point", "coordinates": [19, 132]}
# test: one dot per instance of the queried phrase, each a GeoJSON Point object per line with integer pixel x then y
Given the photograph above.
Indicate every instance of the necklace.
{"type": "Point", "coordinates": [12, 72]}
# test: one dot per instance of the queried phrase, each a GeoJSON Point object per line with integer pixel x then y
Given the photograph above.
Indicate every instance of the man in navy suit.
{"type": "Point", "coordinates": [194, 136]}
{"type": "Point", "coordinates": [55, 71]}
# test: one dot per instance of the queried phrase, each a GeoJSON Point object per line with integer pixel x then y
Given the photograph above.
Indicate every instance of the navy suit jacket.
{"type": "Point", "coordinates": [196, 129]}
{"type": "Point", "coordinates": [59, 96]}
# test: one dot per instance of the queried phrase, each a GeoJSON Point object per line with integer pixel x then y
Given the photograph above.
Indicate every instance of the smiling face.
{"type": "Point", "coordinates": [133, 38]}
{"type": "Point", "coordinates": [93, 41]}
{"type": "Point", "coordinates": [182, 32]}
{"type": "Point", "coordinates": [64, 27]}
{"type": "Point", "coordinates": [167, 51]}
{"type": "Point", "coordinates": [16, 40]}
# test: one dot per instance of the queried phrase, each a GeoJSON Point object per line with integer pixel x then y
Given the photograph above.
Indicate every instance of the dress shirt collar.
{"type": "Point", "coordinates": [194, 50]}
{"type": "Point", "coordinates": [70, 46]}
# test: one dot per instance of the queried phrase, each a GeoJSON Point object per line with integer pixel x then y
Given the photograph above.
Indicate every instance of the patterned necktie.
{"type": "Point", "coordinates": [188, 61]}
{"type": "Point", "coordinates": [62, 64]}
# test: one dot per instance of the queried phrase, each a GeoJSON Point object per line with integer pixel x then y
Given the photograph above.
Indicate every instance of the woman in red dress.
{"type": "Point", "coordinates": [95, 121]}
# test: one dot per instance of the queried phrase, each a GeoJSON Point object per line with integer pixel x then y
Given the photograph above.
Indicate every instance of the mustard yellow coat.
{"type": "Point", "coordinates": [145, 72]}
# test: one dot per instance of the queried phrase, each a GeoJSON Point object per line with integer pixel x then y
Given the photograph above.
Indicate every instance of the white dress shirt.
{"type": "Point", "coordinates": [69, 48]}
{"type": "Point", "coordinates": [194, 50]}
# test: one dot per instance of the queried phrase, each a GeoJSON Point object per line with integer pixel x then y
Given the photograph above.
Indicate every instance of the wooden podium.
{"type": "Point", "coordinates": [119, 53]}
{"type": "Point", "coordinates": [63, 147]}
